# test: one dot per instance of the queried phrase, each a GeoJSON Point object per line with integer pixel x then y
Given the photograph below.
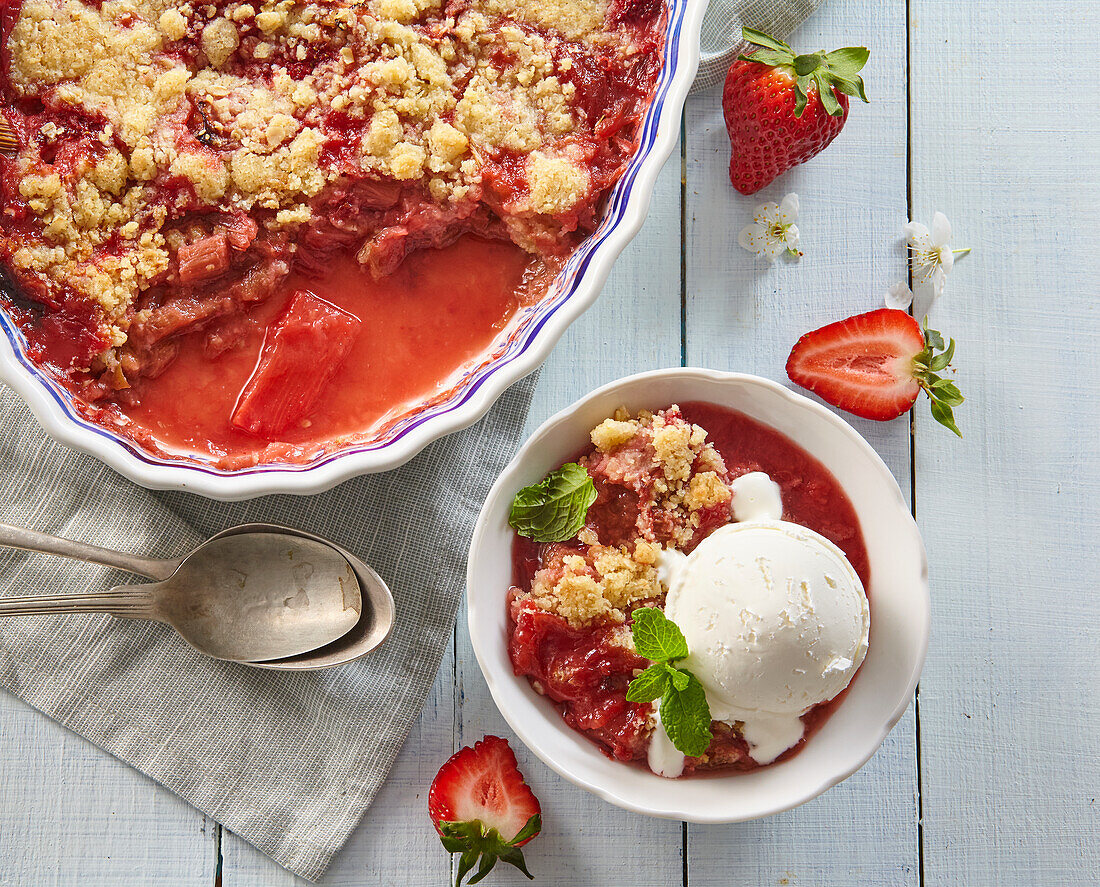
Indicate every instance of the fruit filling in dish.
{"type": "Point", "coordinates": [746, 560]}
{"type": "Point", "coordinates": [183, 172]}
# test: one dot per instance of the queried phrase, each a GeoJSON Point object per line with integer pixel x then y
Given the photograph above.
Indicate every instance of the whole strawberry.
{"type": "Point", "coordinates": [781, 109]}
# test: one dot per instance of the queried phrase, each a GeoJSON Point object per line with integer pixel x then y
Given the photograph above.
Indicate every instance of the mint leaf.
{"type": "Point", "coordinates": [680, 678]}
{"type": "Point", "coordinates": [685, 715]}
{"type": "Point", "coordinates": [657, 637]}
{"type": "Point", "coordinates": [554, 509]}
{"type": "Point", "coordinates": [649, 685]}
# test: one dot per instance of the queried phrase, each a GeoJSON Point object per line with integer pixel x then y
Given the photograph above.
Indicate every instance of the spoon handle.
{"type": "Point", "coordinates": [29, 540]}
{"type": "Point", "coordinates": [131, 602]}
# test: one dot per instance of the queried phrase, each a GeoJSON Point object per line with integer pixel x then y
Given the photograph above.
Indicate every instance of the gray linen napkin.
{"type": "Point", "coordinates": [721, 35]}
{"type": "Point", "coordinates": [288, 761]}
{"type": "Point", "coordinates": [238, 743]}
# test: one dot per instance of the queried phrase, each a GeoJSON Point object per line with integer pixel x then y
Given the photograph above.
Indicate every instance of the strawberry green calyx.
{"type": "Point", "coordinates": [823, 70]}
{"type": "Point", "coordinates": [943, 393]}
{"type": "Point", "coordinates": [482, 847]}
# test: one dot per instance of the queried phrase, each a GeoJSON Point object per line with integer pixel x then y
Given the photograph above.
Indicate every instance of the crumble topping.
{"type": "Point", "coordinates": [599, 584]}
{"type": "Point", "coordinates": [682, 487]}
{"type": "Point", "coordinates": [264, 108]}
{"type": "Point", "coordinates": [669, 463]}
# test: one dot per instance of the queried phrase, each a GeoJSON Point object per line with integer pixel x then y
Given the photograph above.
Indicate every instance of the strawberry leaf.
{"type": "Point", "coordinates": [826, 94]}
{"type": "Point", "coordinates": [850, 86]}
{"type": "Point", "coordinates": [768, 57]}
{"type": "Point", "coordinates": [943, 394]}
{"type": "Point", "coordinates": [484, 847]}
{"type": "Point", "coordinates": [759, 38]}
{"type": "Point", "coordinates": [839, 68]}
{"type": "Point", "coordinates": [848, 61]}
{"type": "Point", "coordinates": [530, 828]}
{"type": "Point", "coordinates": [943, 414]}
{"type": "Point", "coordinates": [801, 94]}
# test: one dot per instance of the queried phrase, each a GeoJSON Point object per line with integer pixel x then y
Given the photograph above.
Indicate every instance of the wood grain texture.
{"type": "Point", "coordinates": [72, 815]}
{"type": "Point", "coordinates": [1009, 721]}
{"type": "Point", "coordinates": [743, 314]}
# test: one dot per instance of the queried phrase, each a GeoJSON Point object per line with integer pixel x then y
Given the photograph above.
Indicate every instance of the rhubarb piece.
{"type": "Point", "coordinates": [203, 259]}
{"type": "Point", "coordinates": [241, 230]}
{"type": "Point", "coordinates": [302, 351]}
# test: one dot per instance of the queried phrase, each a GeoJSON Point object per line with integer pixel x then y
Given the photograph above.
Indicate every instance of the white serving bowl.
{"type": "Point", "coordinates": [900, 607]}
{"type": "Point", "coordinates": [519, 349]}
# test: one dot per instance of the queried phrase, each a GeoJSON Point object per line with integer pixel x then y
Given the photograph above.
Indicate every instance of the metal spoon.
{"type": "Point", "coordinates": [373, 627]}
{"type": "Point", "coordinates": [247, 594]}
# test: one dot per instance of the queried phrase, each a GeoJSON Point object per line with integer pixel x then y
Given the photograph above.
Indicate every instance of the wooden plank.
{"type": "Point", "coordinates": [395, 842]}
{"type": "Point", "coordinates": [70, 814]}
{"type": "Point", "coordinates": [635, 325]}
{"type": "Point", "coordinates": [1009, 724]}
{"type": "Point", "coordinates": [744, 315]}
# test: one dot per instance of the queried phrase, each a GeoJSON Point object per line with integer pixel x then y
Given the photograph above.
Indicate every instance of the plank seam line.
{"type": "Point", "coordinates": [912, 415]}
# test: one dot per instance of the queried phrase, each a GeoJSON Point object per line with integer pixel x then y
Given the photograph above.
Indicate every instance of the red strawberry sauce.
{"type": "Point", "coordinates": [587, 677]}
{"type": "Point", "coordinates": [439, 310]}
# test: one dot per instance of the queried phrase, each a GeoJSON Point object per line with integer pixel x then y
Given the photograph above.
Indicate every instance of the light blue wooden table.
{"type": "Point", "coordinates": [988, 112]}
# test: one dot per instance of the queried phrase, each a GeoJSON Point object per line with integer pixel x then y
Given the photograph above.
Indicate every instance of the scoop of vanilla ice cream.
{"type": "Point", "coordinates": [776, 621]}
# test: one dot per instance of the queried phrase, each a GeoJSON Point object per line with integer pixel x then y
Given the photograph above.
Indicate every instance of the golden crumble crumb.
{"type": "Point", "coordinates": [706, 489]}
{"type": "Point", "coordinates": [172, 24]}
{"type": "Point", "coordinates": [557, 185]}
{"type": "Point", "coordinates": [611, 433]}
{"type": "Point", "coordinates": [219, 41]}
{"type": "Point", "coordinates": [646, 552]}
{"type": "Point", "coordinates": [602, 587]}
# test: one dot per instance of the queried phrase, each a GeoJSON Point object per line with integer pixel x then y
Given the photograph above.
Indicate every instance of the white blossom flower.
{"type": "Point", "coordinates": [899, 296]}
{"type": "Point", "coordinates": [930, 260]}
{"type": "Point", "coordinates": [773, 230]}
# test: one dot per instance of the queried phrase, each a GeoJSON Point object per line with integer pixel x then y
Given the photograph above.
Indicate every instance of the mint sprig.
{"type": "Point", "coordinates": [943, 393]}
{"type": "Point", "coordinates": [821, 70]}
{"type": "Point", "coordinates": [554, 509]}
{"type": "Point", "coordinates": [685, 713]}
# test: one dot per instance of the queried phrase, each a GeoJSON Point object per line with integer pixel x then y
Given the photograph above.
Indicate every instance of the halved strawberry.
{"type": "Point", "coordinates": [875, 364]}
{"type": "Point", "coordinates": [301, 353]}
{"type": "Point", "coordinates": [483, 809]}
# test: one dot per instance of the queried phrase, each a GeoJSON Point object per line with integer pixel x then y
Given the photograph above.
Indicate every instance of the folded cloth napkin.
{"type": "Point", "coordinates": [287, 761]}
{"type": "Point", "coordinates": [721, 36]}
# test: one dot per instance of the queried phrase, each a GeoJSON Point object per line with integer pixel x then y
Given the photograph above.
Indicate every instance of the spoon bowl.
{"type": "Point", "coordinates": [375, 623]}
{"type": "Point", "coordinates": [255, 596]}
